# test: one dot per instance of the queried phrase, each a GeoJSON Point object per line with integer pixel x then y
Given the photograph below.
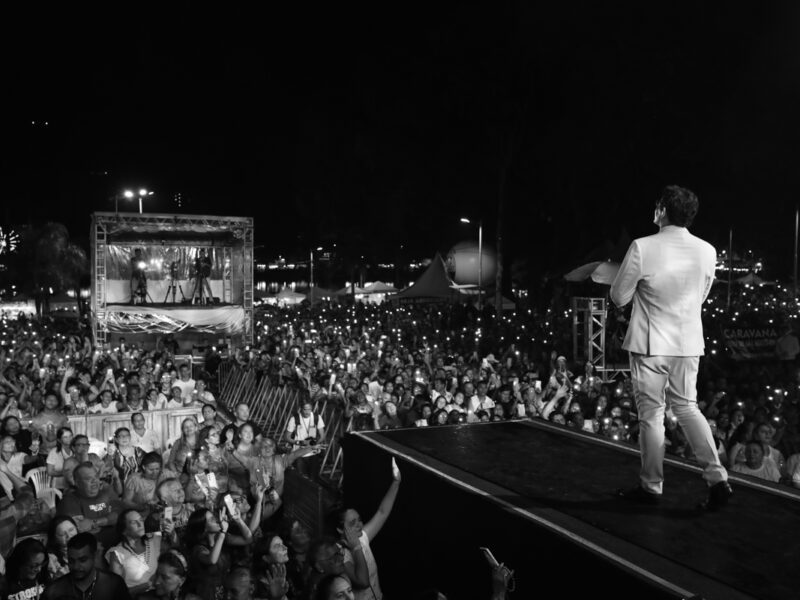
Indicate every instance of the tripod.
{"type": "Point", "coordinates": [140, 293]}
{"type": "Point", "coordinates": [171, 286]}
{"type": "Point", "coordinates": [201, 289]}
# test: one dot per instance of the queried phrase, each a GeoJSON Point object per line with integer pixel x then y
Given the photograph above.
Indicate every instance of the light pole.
{"type": "Point", "coordinates": [142, 193]}
{"type": "Point", "coordinates": [311, 273]}
{"type": "Point", "coordinates": [480, 259]}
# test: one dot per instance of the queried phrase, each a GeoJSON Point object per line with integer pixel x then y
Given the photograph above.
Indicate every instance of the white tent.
{"type": "Point", "coordinates": [287, 297]}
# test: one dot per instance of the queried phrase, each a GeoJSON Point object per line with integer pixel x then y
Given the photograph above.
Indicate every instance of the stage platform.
{"type": "Point", "coordinates": [541, 497]}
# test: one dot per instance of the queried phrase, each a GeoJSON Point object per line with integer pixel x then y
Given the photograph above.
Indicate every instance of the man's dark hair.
{"type": "Point", "coordinates": [83, 540]}
{"type": "Point", "coordinates": [680, 204]}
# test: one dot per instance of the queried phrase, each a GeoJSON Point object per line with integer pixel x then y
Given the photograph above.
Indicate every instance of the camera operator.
{"type": "Point", "coordinates": [202, 271]}
{"type": "Point", "coordinates": [305, 428]}
{"type": "Point", "coordinates": [138, 275]}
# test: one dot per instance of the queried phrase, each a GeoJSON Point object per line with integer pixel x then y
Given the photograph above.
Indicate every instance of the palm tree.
{"type": "Point", "coordinates": [47, 263]}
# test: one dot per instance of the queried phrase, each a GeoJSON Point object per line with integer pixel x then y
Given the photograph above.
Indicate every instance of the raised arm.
{"type": "Point", "coordinates": [374, 525]}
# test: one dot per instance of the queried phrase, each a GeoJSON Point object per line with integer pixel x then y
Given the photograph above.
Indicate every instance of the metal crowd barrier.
{"type": "Point", "coordinates": [272, 406]}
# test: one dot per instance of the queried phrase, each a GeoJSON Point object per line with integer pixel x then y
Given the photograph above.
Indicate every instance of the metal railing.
{"type": "Point", "coordinates": [271, 407]}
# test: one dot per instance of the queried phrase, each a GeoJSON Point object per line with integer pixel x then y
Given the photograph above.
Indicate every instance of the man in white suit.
{"type": "Point", "coordinates": [668, 276]}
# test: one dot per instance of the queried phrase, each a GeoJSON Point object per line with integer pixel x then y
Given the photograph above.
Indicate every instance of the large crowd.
{"type": "Point", "coordinates": [202, 515]}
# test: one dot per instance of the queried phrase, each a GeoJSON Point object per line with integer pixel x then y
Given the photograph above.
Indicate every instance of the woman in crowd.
{"type": "Point", "coordinates": [205, 538]}
{"type": "Point", "coordinates": [335, 587]}
{"type": "Point", "coordinates": [389, 418]}
{"type": "Point", "coordinates": [11, 456]}
{"type": "Point", "coordinates": [11, 426]}
{"type": "Point", "coordinates": [185, 446]}
{"type": "Point", "coordinates": [356, 536]}
{"type": "Point", "coordinates": [57, 456]}
{"type": "Point", "coordinates": [169, 582]}
{"type": "Point", "coordinates": [135, 558]}
{"type": "Point", "coordinates": [126, 457]}
{"type": "Point", "coordinates": [272, 556]}
{"type": "Point", "coordinates": [26, 571]}
{"type": "Point", "coordinates": [212, 452]}
{"type": "Point", "coordinates": [140, 487]}
{"type": "Point", "coordinates": [241, 458]}
{"type": "Point", "coordinates": [62, 529]}
{"type": "Point", "coordinates": [229, 437]}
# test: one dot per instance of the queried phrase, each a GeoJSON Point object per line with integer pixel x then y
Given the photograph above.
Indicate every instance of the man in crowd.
{"type": "Point", "coordinates": [85, 581]}
{"type": "Point", "coordinates": [92, 504]}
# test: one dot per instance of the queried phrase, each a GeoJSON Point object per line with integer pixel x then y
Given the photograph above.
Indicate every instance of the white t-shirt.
{"type": "Point", "coordinates": [103, 410]}
{"type": "Point", "coordinates": [767, 470]}
{"type": "Point", "coordinates": [148, 442]}
{"type": "Point", "coordinates": [306, 428]}
{"type": "Point", "coordinates": [187, 387]}
{"type": "Point", "coordinates": [373, 592]}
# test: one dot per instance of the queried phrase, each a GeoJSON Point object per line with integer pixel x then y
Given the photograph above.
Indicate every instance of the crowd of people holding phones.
{"type": "Point", "coordinates": [202, 516]}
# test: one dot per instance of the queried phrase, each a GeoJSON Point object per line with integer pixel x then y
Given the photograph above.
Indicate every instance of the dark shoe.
{"type": "Point", "coordinates": [640, 495]}
{"type": "Point", "coordinates": [718, 496]}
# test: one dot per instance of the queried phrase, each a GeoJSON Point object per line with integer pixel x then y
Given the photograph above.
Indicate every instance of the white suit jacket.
{"type": "Point", "coordinates": [668, 276]}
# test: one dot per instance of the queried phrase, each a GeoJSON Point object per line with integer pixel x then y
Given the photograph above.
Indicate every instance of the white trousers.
{"type": "Point", "coordinates": [658, 382]}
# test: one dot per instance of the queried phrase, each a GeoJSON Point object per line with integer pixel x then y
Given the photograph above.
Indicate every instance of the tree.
{"type": "Point", "coordinates": [48, 263]}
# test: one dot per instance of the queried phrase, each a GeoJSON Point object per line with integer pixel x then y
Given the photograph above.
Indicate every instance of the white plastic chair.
{"type": "Point", "coordinates": [40, 479]}
{"type": "Point", "coordinates": [49, 495]}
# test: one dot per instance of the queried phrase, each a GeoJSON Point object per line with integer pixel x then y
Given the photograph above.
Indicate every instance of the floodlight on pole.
{"type": "Point", "coordinates": [480, 259]}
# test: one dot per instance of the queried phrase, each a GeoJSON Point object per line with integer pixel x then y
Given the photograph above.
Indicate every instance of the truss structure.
{"type": "Point", "coordinates": [235, 235]}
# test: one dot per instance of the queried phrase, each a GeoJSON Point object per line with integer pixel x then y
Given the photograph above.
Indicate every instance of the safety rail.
{"type": "Point", "coordinates": [271, 407]}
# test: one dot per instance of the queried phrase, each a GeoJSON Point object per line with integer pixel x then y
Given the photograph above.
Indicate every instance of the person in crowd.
{"type": "Point", "coordinates": [185, 383]}
{"type": "Point", "coordinates": [272, 557]}
{"type": "Point", "coordinates": [756, 464]}
{"type": "Point", "coordinates": [126, 458]}
{"type": "Point", "coordinates": [49, 421]}
{"type": "Point", "coordinates": [26, 571]}
{"type": "Point", "coordinates": [80, 454]}
{"type": "Point", "coordinates": [106, 406]}
{"type": "Point", "coordinates": [326, 557]}
{"type": "Point", "coordinates": [172, 498]}
{"type": "Point", "coordinates": [140, 487]}
{"type": "Point", "coordinates": [185, 446]}
{"type": "Point", "coordinates": [61, 530]}
{"type": "Point", "coordinates": [84, 579]}
{"type": "Point", "coordinates": [356, 537]}
{"type": "Point", "coordinates": [170, 582]}
{"type": "Point", "coordinates": [242, 414]}
{"type": "Point", "coordinates": [208, 563]}
{"type": "Point", "coordinates": [388, 418]}
{"type": "Point", "coordinates": [211, 418]}
{"type": "Point", "coordinates": [202, 394]}
{"type": "Point", "coordinates": [241, 458]}
{"type": "Point", "coordinates": [11, 426]}
{"type": "Point", "coordinates": [57, 456]}
{"type": "Point", "coordinates": [306, 428]}
{"type": "Point", "coordinates": [13, 508]}
{"type": "Point", "coordinates": [133, 401]}
{"type": "Point", "coordinates": [13, 458]}
{"type": "Point", "coordinates": [135, 558]}
{"type": "Point", "coordinates": [665, 342]}
{"type": "Point", "coordinates": [229, 437]}
{"type": "Point", "coordinates": [92, 504]}
{"type": "Point", "coordinates": [141, 437]}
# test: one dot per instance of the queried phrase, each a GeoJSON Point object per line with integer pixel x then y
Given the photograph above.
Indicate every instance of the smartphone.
{"type": "Point", "coordinates": [168, 513]}
{"type": "Point", "coordinates": [538, 386]}
{"type": "Point", "coordinates": [203, 485]}
{"type": "Point", "coordinates": [229, 504]}
{"type": "Point", "coordinates": [489, 557]}
{"type": "Point", "coordinates": [212, 480]}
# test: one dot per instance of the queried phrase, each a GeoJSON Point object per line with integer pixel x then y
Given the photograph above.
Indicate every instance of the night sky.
{"type": "Point", "coordinates": [378, 126]}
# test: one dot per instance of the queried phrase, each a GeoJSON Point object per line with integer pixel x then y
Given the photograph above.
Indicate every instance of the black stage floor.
{"type": "Point", "coordinates": [551, 493]}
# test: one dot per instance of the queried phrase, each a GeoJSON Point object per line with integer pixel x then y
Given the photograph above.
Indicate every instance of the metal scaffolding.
{"type": "Point", "coordinates": [234, 235]}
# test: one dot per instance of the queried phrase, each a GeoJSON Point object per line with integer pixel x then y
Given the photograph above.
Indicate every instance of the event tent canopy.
{"type": "Point", "coordinates": [434, 285]}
